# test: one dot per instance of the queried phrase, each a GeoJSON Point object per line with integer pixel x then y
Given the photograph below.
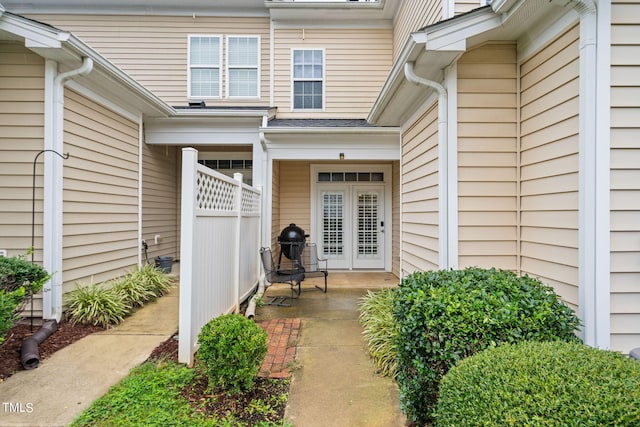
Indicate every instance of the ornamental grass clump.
{"type": "Point", "coordinates": [378, 328]}
{"type": "Point", "coordinates": [153, 279]}
{"type": "Point", "coordinates": [97, 305]}
{"type": "Point", "coordinates": [541, 384]}
{"type": "Point", "coordinates": [445, 316]}
{"type": "Point", "coordinates": [231, 351]}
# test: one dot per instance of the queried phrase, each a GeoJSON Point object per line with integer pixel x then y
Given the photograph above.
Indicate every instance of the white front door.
{"type": "Point", "coordinates": [350, 225]}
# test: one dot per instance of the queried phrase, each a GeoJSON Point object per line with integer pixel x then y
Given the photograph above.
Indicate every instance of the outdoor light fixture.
{"type": "Point", "coordinates": [341, 156]}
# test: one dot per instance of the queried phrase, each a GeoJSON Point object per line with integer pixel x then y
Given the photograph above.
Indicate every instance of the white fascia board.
{"type": "Point", "coordinates": [409, 52]}
{"type": "Point", "coordinates": [33, 33]}
{"type": "Point", "coordinates": [451, 33]}
{"type": "Point", "coordinates": [502, 6]}
{"type": "Point", "coordinates": [153, 102]}
{"type": "Point", "coordinates": [69, 51]}
{"type": "Point", "coordinates": [238, 113]}
{"type": "Point", "coordinates": [273, 132]}
{"type": "Point", "coordinates": [443, 43]}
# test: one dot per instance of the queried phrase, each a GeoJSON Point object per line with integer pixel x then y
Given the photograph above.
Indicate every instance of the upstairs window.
{"type": "Point", "coordinates": [242, 63]}
{"type": "Point", "coordinates": [204, 66]}
{"type": "Point", "coordinates": [308, 79]}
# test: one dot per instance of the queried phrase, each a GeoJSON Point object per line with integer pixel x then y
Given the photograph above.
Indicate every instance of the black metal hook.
{"type": "Point", "coordinates": [33, 209]}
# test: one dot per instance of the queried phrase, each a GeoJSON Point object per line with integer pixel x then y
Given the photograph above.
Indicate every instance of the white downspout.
{"type": "Point", "coordinates": [265, 219]}
{"type": "Point", "coordinates": [593, 252]}
{"type": "Point", "coordinates": [443, 166]}
{"type": "Point", "coordinates": [53, 196]}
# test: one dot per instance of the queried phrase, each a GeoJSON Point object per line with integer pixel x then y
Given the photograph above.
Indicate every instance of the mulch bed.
{"type": "Point", "coordinates": [276, 368]}
{"type": "Point", "coordinates": [66, 334]}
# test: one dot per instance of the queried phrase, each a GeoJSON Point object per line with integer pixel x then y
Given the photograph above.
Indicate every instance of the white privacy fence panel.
{"type": "Point", "coordinates": [219, 251]}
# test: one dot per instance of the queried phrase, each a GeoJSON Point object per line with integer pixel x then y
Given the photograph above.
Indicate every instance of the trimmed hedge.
{"type": "Point", "coordinates": [231, 351]}
{"type": "Point", "coordinates": [541, 384]}
{"type": "Point", "coordinates": [445, 316]}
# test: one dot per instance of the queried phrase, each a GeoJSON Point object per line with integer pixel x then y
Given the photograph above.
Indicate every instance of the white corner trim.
{"type": "Point", "coordinates": [590, 191]}
{"type": "Point", "coordinates": [451, 84]}
{"type": "Point", "coordinates": [140, 165]}
{"type": "Point", "coordinates": [602, 178]}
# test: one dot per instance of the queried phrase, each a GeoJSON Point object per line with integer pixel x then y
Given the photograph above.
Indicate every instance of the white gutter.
{"type": "Point", "coordinates": [53, 193]}
{"type": "Point", "coordinates": [443, 166]}
{"type": "Point", "coordinates": [594, 244]}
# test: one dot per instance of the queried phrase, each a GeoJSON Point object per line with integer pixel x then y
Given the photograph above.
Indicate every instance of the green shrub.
{"type": "Point", "coordinates": [378, 328]}
{"type": "Point", "coordinates": [97, 305]}
{"type": "Point", "coordinates": [445, 316]}
{"type": "Point", "coordinates": [9, 303]}
{"type": "Point", "coordinates": [19, 280]}
{"type": "Point", "coordinates": [541, 384]}
{"type": "Point", "coordinates": [17, 272]}
{"type": "Point", "coordinates": [231, 351]}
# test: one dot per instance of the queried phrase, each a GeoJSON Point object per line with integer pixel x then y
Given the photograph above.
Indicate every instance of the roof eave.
{"type": "Point", "coordinates": [69, 51]}
{"type": "Point", "coordinates": [431, 50]}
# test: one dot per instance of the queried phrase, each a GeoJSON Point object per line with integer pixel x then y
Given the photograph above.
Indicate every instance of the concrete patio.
{"type": "Point", "coordinates": [334, 383]}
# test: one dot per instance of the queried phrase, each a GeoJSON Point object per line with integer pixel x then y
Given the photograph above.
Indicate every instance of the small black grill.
{"type": "Point", "coordinates": [292, 240]}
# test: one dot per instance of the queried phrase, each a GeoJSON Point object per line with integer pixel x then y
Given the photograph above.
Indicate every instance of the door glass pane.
{"type": "Point", "coordinates": [333, 224]}
{"type": "Point", "coordinates": [367, 225]}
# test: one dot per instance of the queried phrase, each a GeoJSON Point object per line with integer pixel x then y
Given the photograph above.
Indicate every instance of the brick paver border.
{"type": "Point", "coordinates": [282, 338]}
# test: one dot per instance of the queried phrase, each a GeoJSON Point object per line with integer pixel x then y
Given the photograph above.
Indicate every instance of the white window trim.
{"type": "Point", "coordinates": [228, 67]}
{"type": "Point", "coordinates": [189, 67]}
{"type": "Point", "coordinates": [324, 80]}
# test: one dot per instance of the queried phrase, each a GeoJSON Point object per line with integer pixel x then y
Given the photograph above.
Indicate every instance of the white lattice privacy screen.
{"type": "Point", "coordinates": [220, 231]}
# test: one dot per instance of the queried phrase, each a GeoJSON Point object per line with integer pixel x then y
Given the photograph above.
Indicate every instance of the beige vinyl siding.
{"type": "Point", "coordinates": [412, 16]}
{"type": "Point", "coordinates": [395, 219]}
{"type": "Point", "coordinates": [420, 194]}
{"type": "Point", "coordinates": [21, 138]}
{"type": "Point", "coordinates": [625, 176]}
{"type": "Point", "coordinates": [275, 204]}
{"type": "Point", "coordinates": [160, 202]}
{"type": "Point", "coordinates": [295, 197]}
{"type": "Point", "coordinates": [487, 157]}
{"type": "Point", "coordinates": [153, 49]}
{"type": "Point", "coordinates": [464, 6]}
{"type": "Point", "coordinates": [549, 165]}
{"type": "Point", "coordinates": [100, 223]}
{"type": "Point", "coordinates": [356, 62]}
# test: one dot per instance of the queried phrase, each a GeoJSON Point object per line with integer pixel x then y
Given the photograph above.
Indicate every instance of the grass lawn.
{"type": "Point", "coordinates": [165, 393]}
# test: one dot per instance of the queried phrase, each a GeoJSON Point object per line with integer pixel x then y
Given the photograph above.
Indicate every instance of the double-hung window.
{"type": "Point", "coordinates": [204, 66]}
{"type": "Point", "coordinates": [242, 66]}
{"type": "Point", "coordinates": [308, 79]}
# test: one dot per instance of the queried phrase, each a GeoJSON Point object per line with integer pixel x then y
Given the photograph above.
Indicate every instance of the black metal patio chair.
{"type": "Point", "coordinates": [314, 266]}
{"type": "Point", "coordinates": [293, 277]}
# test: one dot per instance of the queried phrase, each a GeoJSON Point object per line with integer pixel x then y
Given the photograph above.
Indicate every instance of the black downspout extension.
{"type": "Point", "coordinates": [30, 357]}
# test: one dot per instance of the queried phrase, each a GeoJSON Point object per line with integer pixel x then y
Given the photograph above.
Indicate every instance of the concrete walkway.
{"type": "Point", "coordinates": [334, 383]}
{"type": "Point", "coordinates": [66, 383]}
